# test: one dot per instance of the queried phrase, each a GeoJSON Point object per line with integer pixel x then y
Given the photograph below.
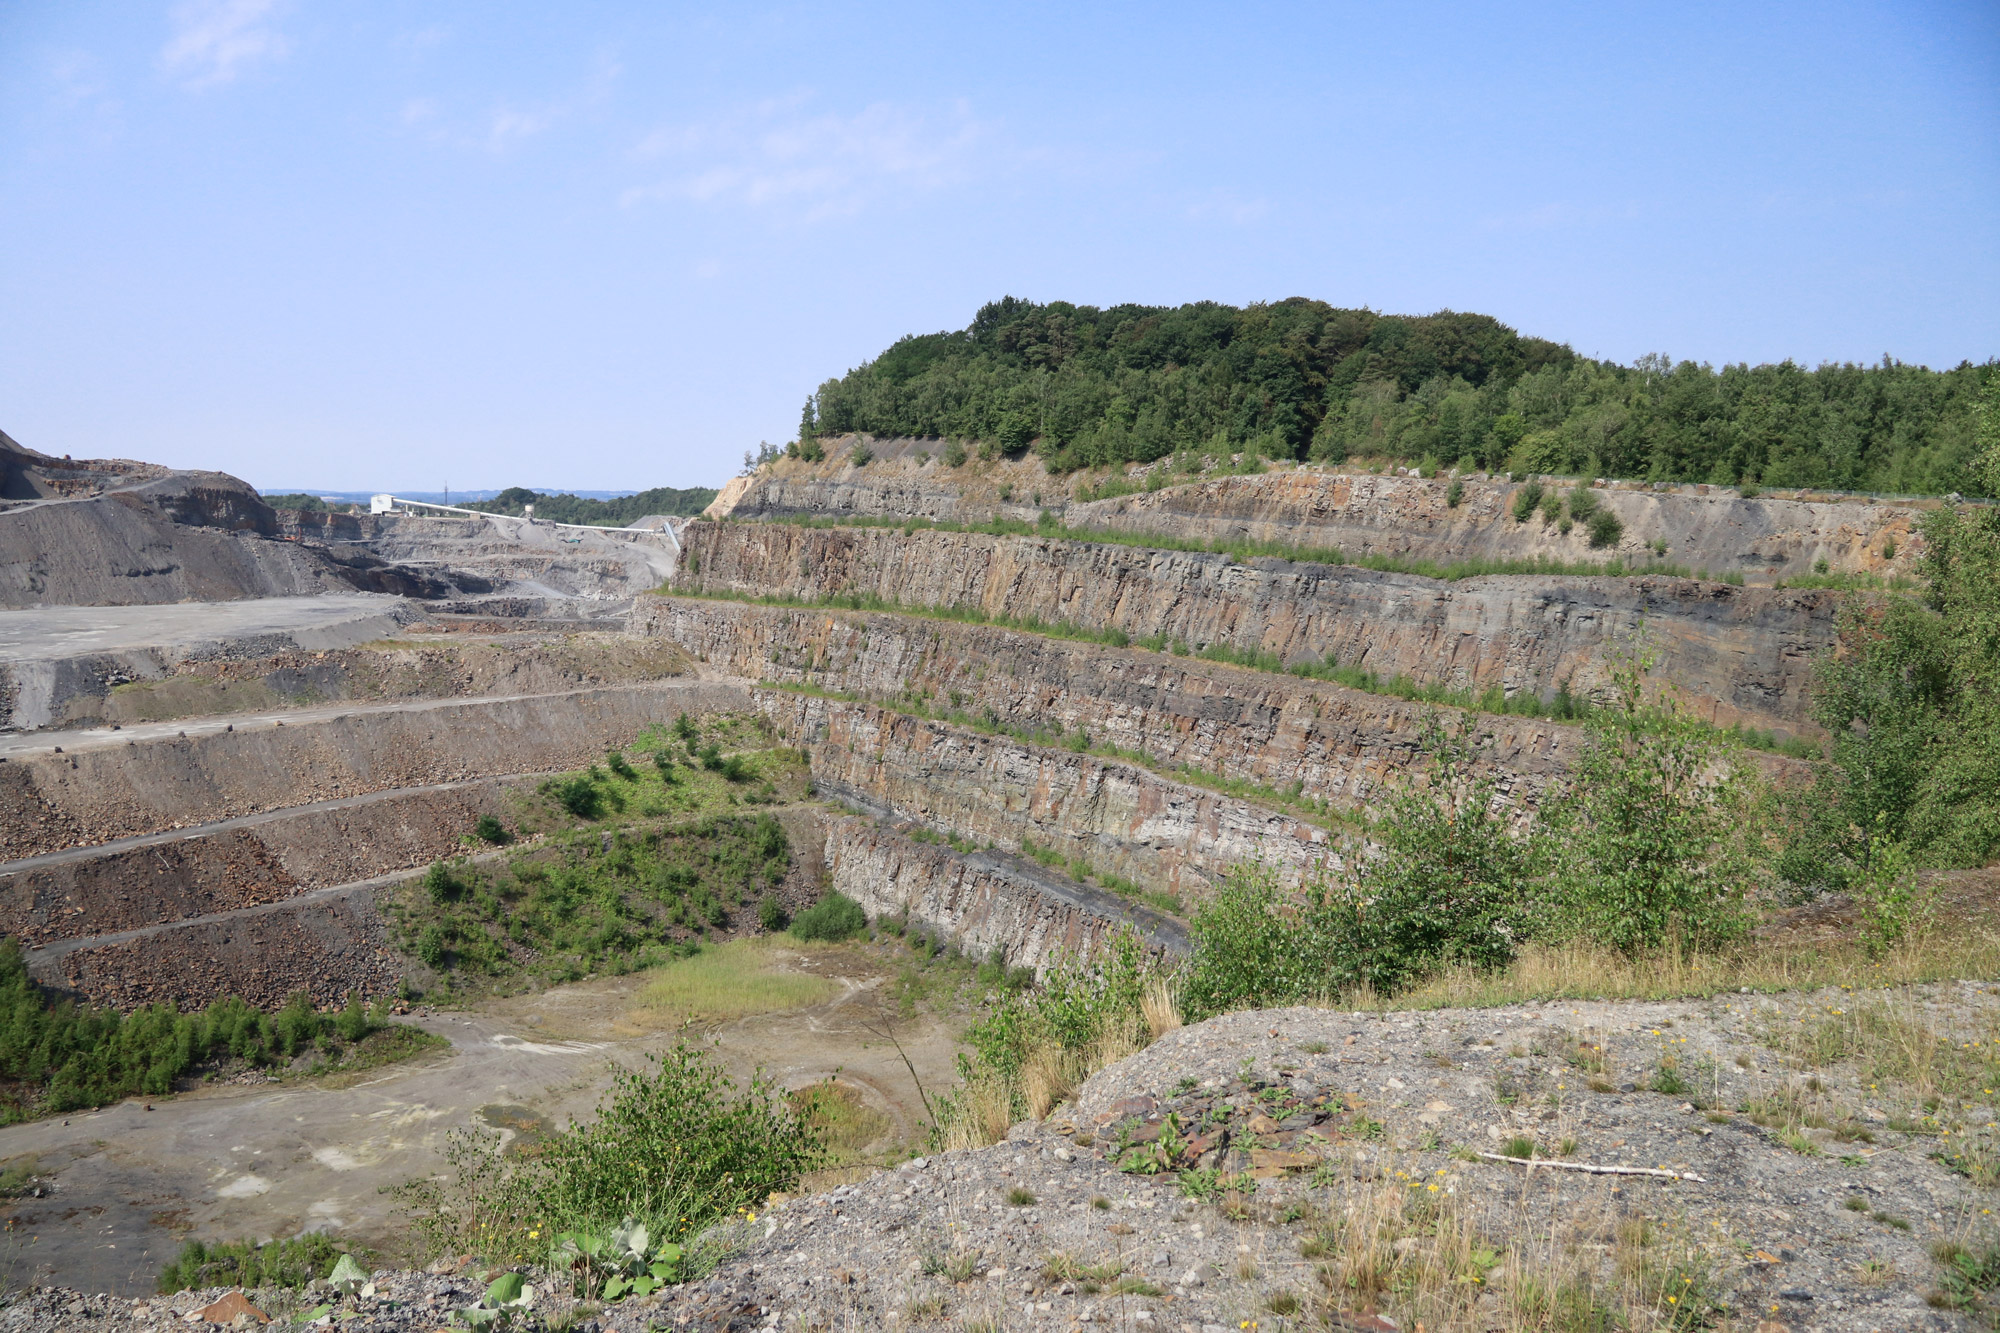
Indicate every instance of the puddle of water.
{"type": "Point", "coordinates": [520, 1128]}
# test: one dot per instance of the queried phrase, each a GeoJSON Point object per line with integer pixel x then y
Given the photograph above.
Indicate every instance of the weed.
{"type": "Point", "coordinates": [278, 1263]}
{"type": "Point", "coordinates": [1018, 1197]}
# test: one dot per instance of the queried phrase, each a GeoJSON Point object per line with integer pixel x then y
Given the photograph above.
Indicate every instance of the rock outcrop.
{"type": "Point", "coordinates": [1713, 528]}
{"type": "Point", "coordinates": [1312, 737]}
{"type": "Point", "coordinates": [1741, 655]}
{"type": "Point", "coordinates": [987, 904]}
{"type": "Point", "coordinates": [1120, 819]}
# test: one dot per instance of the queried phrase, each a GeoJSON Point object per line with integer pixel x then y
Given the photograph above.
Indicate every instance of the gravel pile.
{"type": "Point", "coordinates": [1203, 1184]}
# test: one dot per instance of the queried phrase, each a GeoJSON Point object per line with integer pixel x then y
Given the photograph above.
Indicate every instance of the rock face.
{"type": "Point", "coordinates": [1360, 513]}
{"type": "Point", "coordinates": [1121, 819]}
{"type": "Point", "coordinates": [1741, 655]}
{"type": "Point", "coordinates": [987, 903]}
{"type": "Point", "coordinates": [1330, 743]}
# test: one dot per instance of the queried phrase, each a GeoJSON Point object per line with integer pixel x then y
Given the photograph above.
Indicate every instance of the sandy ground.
{"type": "Point", "coordinates": [266, 1160]}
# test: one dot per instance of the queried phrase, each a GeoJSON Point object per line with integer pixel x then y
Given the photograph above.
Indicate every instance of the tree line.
{"type": "Point", "coordinates": [567, 508]}
{"type": "Point", "coordinates": [1300, 379]}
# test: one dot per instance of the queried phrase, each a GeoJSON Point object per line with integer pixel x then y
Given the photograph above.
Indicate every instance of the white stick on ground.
{"type": "Point", "coordinates": [1532, 1162]}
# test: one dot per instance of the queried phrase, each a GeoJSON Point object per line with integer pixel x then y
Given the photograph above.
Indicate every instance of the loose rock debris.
{"type": "Point", "coordinates": [1311, 1169]}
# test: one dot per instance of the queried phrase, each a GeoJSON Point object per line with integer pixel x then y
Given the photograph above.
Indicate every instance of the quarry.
{"type": "Point", "coordinates": [258, 754]}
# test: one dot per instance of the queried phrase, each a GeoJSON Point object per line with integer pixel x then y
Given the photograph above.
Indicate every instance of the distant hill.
{"type": "Point", "coordinates": [1298, 378]}
{"type": "Point", "coordinates": [567, 508]}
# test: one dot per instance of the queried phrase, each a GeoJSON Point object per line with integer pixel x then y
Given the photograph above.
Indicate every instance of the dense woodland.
{"type": "Point", "coordinates": [567, 508]}
{"type": "Point", "coordinates": [1302, 379]}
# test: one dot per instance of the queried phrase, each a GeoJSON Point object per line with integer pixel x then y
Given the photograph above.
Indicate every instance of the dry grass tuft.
{"type": "Point", "coordinates": [1159, 1006]}
{"type": "Point", "coordinates": [1582, 971]}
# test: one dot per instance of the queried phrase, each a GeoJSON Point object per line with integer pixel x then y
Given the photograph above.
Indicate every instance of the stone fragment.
{"type": "Point", "coordinates": [231, 1309]}
{"type": "Point", "coordinates": [1282, 1159]}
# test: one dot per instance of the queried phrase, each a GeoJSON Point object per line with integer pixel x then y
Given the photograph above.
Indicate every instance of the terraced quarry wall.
{"type": "Point", "coordinates": [984, 902]}
{"type": "Point", "coordinates": [108, 785]}
{"type": "Point", "coordinates": [1773, 535]}
{"type": "Point", "coordinates": [1120, 818]}
{"type": "Point", "coordinates": [1336, 744]}
{"type": "Point", "coordinates": [1741, 655]}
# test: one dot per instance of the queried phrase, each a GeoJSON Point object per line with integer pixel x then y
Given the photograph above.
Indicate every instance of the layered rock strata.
{"type": "Point", "coordinates": [1321, 740]}
{"type": "Point", "coordinates": [1741, 655]}
{"type": "Point", "coordinates": [986, 903]}
{"type": "Point", "coordinates": [1119, 818]}
{"type": "Point", "coordinates": [1772, 535]}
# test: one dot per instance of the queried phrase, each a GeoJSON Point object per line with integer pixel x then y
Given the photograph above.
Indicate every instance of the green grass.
{"type": "Point", "coordinates": [242, 1263]}
{"type": "Point", "coordinates": [732, 980]}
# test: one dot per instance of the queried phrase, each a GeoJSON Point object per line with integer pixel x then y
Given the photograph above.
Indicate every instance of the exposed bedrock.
{"type": "Point", "coordinates": [241, 863]}
{"type": "Point", "coordinates": [1121, 819]}
{"type": "Point", "coordinates": [985, 902]}
{"type": "Point", "coordinates": [1713, 528]}
{"type": "Point", "coordinates": [325, 945]}
{"type": "Point", "coordinates": [114, 784]}
{"type": "Point", "coordinates": [1739, 654]}
{"type": "Point", "coordinates": [1334, 743]}
{"type": "Point", "coordinates": [1413, 518]}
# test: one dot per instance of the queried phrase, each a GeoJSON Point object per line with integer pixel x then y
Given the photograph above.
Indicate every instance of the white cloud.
{"type": "Point", "coordinates": [779, 154]}
{"type": "Point", "coordinates": [215, 40]}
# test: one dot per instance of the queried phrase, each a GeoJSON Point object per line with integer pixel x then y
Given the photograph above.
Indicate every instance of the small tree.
{"type": "Point", "coordinates": [1651, 829]}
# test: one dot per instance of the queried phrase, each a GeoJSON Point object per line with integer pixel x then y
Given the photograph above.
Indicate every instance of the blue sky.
{"type": "Point", "coordinates": [391, 243]}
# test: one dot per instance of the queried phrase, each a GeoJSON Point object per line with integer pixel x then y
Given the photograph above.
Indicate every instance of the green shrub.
{"type": "Point", "coordinates": [579, 794]}
{"type": "Point", "coordinates": [1526, 501]}
{"type": "Point", "coordinates": [1454, 493]}
{"type": "Point", "coordinates": [669, 774]}
{"type": "Point", "coordinates": [1889, 549]}
{"type": "Point", "coordinates": [278, 1263]}
{"type": "Point", "coordinates": [685, 728]}
{"type": "Point", "coordinates": [1654, 829]}
{"type": "Point", "coordinates": [1583, 502]}
{"type": "Point", "coordinates": [676, 1146]}
{"type": "Point", "coordinates": [57, 1056]}
{"type": "Point", "coordinates": [618, 764]}
{"type": "Point", "coordinates": [834, 917]}
{"type": "Point", "coordinates": [954, 454]}
{"type": "Point", "coordinates": [1551, 507]}
{"type": "Point", "coordinates": [771, 914]}
{"type": "Point", "coordinates": [1605, 528]}
{"type": "Point", "coordinates": [441, 884]}
{"type": "Point", "coordinates": [860, 456]}
{"type": "Point", "coordinates": [488, 828]}
{"type": "Point", "coordinates": [1450, 886]}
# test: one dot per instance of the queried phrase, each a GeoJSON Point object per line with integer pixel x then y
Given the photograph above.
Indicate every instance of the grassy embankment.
{"type": "Point", "coordinates": [626, 865]}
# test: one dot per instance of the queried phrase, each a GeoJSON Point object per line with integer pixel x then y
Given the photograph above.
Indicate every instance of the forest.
{"type": "Point", "coordinates": [567, 508]}
{"type": "Point", "coordinates": [1300, 379]}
